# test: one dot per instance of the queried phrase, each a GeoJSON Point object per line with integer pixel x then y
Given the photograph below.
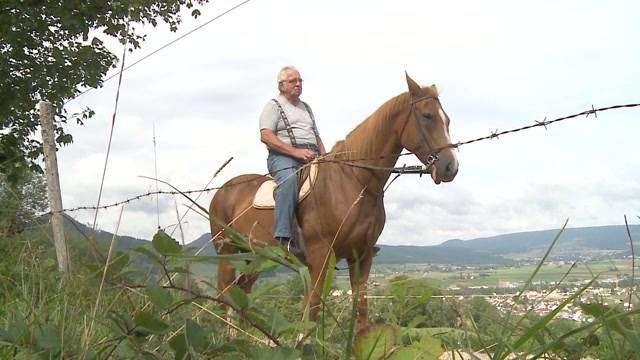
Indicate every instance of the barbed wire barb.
{"type": "Point", "coordinates": [542, 123]}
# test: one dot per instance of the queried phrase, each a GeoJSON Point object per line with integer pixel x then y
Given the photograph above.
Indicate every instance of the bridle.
{"type": "Point", "coordinates": [433, 153]}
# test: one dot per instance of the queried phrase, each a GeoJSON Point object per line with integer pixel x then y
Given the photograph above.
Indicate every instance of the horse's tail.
{"type": "Point", "coordinates": [217, 213]}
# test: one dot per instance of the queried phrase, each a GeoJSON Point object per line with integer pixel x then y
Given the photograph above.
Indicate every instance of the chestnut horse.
{"type": "Point", "coordinates": [344, 213]}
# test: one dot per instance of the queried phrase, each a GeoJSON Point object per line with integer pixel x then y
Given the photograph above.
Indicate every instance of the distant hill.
{"type": "Point", "coordinates": [74, 229]}
{"type": "Point", "coordinates": [574, 242]}
{"type": "Point", "coordinates": [402, 254]}
{"type": "Point", "coordinates": [204, 243]}
{"type": "Point", "coordinates": [407, 254]}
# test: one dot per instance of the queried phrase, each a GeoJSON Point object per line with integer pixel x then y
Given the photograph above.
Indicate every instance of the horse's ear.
{"type": "Point", "coordinates": [414, 89]}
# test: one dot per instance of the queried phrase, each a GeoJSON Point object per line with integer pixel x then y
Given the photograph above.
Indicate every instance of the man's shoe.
{"type": "Point", "coordinates": [292, 247]}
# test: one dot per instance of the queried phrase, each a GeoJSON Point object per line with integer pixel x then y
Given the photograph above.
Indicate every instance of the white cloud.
{"type": "Point", "coordinates": [498, 65]}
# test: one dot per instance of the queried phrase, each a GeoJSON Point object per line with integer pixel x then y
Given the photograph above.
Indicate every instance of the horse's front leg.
{"type": "Point", "coordinates": [318, 260]}
{"type": "Point", "coordinates": [358, 274]}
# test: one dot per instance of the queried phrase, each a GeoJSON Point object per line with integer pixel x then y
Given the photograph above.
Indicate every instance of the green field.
{"type": "Point", "coordinates": [549, 273]}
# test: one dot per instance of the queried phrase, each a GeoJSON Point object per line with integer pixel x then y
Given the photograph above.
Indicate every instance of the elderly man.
{"type": "Point", "coordinates": [288, 129]}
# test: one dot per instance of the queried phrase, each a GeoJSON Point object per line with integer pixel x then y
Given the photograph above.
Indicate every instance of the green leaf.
{"type": "Point", "coordinates": [120, 261]}
{"type": "Point", "coordinates": [149, 254]}
{"type": "Point", "coordinates": [239, 265]}
{"type": "Point", "coordinates": [262, 288]}
{"type": "Point", "coordinates": [159, 296]}
{"type": "Point", "coordinates": [375, 343]}
{"type": "Point", "coordinates": [431, 345]}
{"type": "Point", "coordinates": [47, 336]}
{"type": "Point", "coordinates": [236, 297]}
{"type": "Point", "coordinates": [178, 270]}
{"type": "Point", "coordinates": [260, 265]}
{"type": "Point", "coordinates": [147, 324]}
{"type": "Point", "coordinates": [277, 353]}
{"type": "Point", "coordinates": [416, 321]}
{"type": "Point", "coordinates": [122, 321]}
{"type": "Point", "coordinates": [196, 258]}
{"type": "Point", "coordinates": [64, 139]}
{"type": "Point", "coordinates": [17, 329]}
{"type": "Point", "coordinates": [195, 336]}
{"type": "Point", "coordinates": [536, 328]}
{"type": "Point", "coordinates": [412, 353]}
{"type": "Point", "coordinates": [179, 345]}
{"type": "Point", "coordinates": [326, 287]}
{"type": "Point", "coordinates": [164, 244]}
{"type": "Point", "coordinates": [235, 346]}
{"type": "Point", "coordinates": [616, 319]}
{"type": "Point", "coordinates": [282, 326]}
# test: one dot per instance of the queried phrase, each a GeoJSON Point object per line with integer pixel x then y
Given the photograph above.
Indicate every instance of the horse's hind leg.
{"type": "Point", "coordinates": [226, 277]}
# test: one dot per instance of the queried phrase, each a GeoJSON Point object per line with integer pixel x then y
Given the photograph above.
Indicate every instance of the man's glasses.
{"type": "Point", "coordinates": [293, 81]}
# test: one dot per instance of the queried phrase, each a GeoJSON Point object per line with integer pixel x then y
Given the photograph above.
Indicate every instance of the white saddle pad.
{"type": "Point", "coordinates": [264, 196]}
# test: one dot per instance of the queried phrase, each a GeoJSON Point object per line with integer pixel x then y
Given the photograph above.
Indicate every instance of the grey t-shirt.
{"type": "Point", "coordinates": [300, 120]}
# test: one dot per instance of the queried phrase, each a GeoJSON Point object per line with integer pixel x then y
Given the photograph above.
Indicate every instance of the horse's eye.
{"type": "Point", "coordinates": [428, 116]}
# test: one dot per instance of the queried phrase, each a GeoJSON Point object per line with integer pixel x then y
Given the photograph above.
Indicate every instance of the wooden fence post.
{"type": "Point", "coordinates": [53, 185]}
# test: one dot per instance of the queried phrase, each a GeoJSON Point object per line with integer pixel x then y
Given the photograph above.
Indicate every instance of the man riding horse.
{"type": "Point", "coordinates": [289, 130]}
{"type": "Point", "coordinates": [344, 215]}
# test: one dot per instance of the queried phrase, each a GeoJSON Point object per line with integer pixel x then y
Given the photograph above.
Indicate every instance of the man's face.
{"type": "Point", "coordinates": [291, 85]}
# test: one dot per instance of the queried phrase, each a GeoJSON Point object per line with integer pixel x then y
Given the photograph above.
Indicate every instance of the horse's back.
{"type": "Point", "coordinates": [233, 198]}
{"type": "Point", "coordinates": [234, 193]}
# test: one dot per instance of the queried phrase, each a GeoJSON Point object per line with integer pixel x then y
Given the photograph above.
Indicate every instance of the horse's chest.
{"type": "Point", "coordinates": [364, 220]}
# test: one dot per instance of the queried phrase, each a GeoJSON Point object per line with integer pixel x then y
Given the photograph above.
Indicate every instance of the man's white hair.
{"type": "Point", "coordinates": [282, 72]}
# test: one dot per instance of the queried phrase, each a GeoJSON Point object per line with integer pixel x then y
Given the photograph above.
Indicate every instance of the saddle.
{"type": "Point", "coordinates": [265, 196]}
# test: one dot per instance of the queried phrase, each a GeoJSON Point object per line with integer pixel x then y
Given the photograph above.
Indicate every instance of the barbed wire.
{"type": "Point", "coordinates": [545, 122]}
{"type": "Point", "coordinates": [400, 170]}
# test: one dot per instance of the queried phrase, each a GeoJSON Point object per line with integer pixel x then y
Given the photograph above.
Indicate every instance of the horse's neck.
{"type": "Point", "coordinates": [374, 142]}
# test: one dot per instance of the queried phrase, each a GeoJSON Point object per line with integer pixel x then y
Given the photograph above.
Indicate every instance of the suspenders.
{"type": "Point", "coordinates": [287, 124]}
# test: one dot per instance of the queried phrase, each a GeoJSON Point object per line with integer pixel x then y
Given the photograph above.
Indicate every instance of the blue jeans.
{"type": "Point", "coordinates": [283, 169]}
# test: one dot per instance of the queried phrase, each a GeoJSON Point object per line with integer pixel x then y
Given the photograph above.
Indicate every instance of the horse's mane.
{"type": "Point", "coordinates": [377, 120]}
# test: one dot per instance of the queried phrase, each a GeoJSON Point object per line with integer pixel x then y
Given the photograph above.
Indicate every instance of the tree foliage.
{"type": "Point", "coordinates": [22, 199]}
{"type": "Point", "coordinates": [53, 50]}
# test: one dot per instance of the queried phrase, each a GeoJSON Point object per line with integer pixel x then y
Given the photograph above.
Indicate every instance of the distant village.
{"type": "Point", "coordinates": [541, 297]}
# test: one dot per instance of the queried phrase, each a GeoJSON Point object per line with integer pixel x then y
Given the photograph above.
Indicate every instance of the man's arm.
{"type": "Point", "coordinates": [269, 138]}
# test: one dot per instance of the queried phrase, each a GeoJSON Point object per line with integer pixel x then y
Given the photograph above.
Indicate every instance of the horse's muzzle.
{"type": "Point", "coordinates": [446, 168]}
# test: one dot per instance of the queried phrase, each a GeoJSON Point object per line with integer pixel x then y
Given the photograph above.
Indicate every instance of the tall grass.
{"type": "Point", "coordinates": [161, 317]}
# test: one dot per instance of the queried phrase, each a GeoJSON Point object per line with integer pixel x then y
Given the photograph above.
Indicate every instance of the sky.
{"type": "Point", "coordinates": [497, 64]}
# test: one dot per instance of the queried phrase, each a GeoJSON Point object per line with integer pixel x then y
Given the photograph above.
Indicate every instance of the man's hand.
{"type": "Point", "coordinates": [304, 154]}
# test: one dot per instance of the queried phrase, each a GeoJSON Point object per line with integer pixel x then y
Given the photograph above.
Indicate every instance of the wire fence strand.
{"type": "Point", "coordinates": [493, 135]}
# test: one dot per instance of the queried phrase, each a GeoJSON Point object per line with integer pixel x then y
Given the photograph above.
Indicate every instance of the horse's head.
{"type": "Point", "coordinates": [426, 132]}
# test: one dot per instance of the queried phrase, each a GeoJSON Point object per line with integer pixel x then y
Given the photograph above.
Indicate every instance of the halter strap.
{"type": "Point", "coordinates": [433, 154]}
